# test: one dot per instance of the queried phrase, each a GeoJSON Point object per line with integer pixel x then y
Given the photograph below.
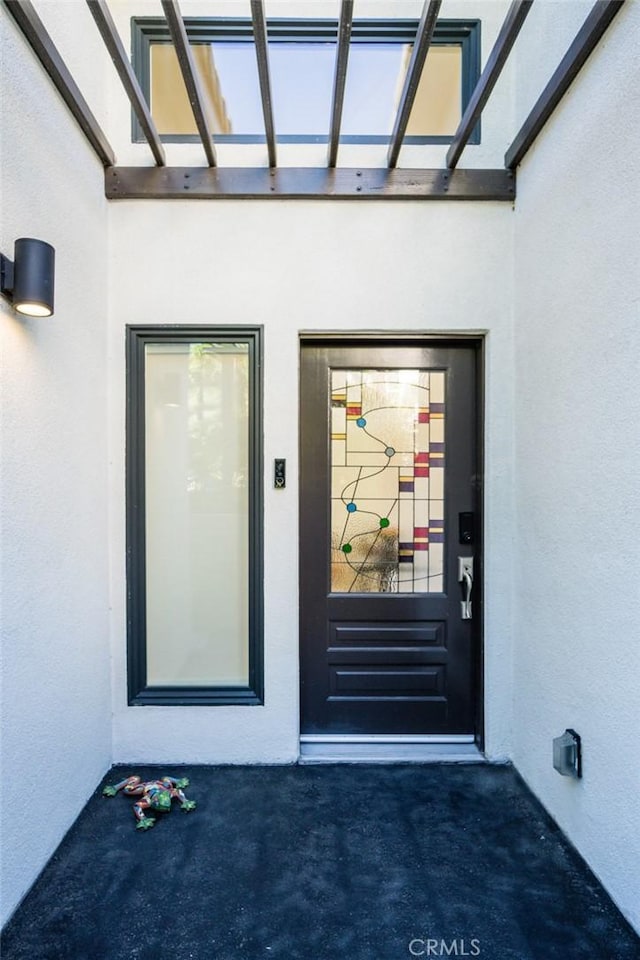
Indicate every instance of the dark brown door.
{"type": "Point", "coordinates": [389, 521]}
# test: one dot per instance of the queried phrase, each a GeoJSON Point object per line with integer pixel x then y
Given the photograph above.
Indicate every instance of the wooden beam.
{"type": "Point", "coordinates": [592, 30]}
{"type": "Point", "coordinates": [414, 72]}
{"type": "Point", "coordinates": [510, 29]}
{"type": "Point", "coordinates": [115, 47]}
{"type": "Point", "coordinates": [340, 76]}
{"type": "Point", "coordinates": [306, 183]}
{"type": "Point", "coordinates": [47, 53]}
{"type": "Point", "coordinates": [190, 75]}
{"type": "Point", "coordinates": [262, 54]}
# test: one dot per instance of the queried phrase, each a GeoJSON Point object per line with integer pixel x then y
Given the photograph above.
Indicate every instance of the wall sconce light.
{"type": "Point", "coordinates": [27, 280]}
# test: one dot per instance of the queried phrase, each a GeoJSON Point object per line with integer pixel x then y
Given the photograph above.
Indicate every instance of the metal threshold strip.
{"type": "Point", "coordinates": [386, 738]}
{"type": "Point", "coordinates": [384, 748]}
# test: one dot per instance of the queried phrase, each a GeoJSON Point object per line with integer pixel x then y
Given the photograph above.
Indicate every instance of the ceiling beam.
{"type": "Point", "coordinates": [190, 75]}
{"type": "Point", "coordinates": [262, 54]}
{"type": "Point", "coordinates": [47, 53]}
{"type": "Point", "coordinates": [510, 29]}
{"type": "Point", "coordinates": [601, 15]}
{"type": "Point", "coordinates": [412, 80]}
{"type": "Point", "coordinates": [306, 183]}
{"type": "Point", "coordinates": [115, 47]}
{"type": "Point", "coordinates": [339, 80]}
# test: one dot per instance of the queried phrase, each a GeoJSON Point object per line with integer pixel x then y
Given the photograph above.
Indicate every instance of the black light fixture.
{"type": "Point", "coordinates": [27, 280]}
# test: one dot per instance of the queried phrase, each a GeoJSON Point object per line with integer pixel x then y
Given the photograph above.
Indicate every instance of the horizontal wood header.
{"type": "Point", "coordinates": [307, 183]}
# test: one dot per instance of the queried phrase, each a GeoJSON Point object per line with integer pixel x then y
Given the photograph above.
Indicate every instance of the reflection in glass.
{"type": "Point", "coordinates": [387, 481]}
{"type": "Point", "coordinates": [196, 513]}
{"type": "Point", "coordinates": [302, 80]}
{"type": "Point", "coordinates": [375, 79]}
{"type": "Point", "coordinates": [170, 105]}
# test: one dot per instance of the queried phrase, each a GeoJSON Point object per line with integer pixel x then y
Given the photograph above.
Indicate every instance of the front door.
{"type": "Point", "coordinates": [389, 537]}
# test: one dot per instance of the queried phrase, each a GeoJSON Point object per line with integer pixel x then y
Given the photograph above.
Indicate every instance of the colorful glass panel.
{"type": "Point", "coordinates": [387, 481]}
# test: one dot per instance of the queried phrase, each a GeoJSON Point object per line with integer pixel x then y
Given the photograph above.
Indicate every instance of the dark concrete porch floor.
{"type": "Point", "coordinates": [322, 863]}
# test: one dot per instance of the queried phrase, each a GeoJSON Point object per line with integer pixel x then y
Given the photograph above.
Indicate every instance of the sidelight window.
{"type": "Point", "coordinates": [194, 517]}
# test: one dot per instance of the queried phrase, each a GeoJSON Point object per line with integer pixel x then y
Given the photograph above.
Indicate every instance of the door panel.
{"type": "Point", "coordinates": [388, 462]}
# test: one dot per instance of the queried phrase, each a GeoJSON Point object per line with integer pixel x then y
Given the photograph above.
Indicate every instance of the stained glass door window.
{"type": "Point", "coordinates": [387, 481]}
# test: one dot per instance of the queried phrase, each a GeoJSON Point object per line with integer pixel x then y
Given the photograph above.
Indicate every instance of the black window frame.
{"type": "Point", "coordinates": [139, 692]}
{"type": "Point", "coordinates": [148, 30]}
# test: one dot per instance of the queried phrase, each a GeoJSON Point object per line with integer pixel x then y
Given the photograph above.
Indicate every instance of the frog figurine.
{"type": "Point", "coordinates": [154, 794]}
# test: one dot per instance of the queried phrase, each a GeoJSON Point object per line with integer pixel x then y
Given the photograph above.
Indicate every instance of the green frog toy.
{"type": "Point", "coordinates": [155, 795]}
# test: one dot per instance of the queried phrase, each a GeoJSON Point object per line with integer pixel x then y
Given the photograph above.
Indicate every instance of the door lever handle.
{"type": "Point", "coordinates": [465, 577]}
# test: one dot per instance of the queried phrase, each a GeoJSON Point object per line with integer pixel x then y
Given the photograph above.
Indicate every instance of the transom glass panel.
{"type": "Point", "coordinates": [302, 79]}
{"type": "Point", "coordinates": [387, 481]}
{"type": "Point", "coordinates": [302, 62]}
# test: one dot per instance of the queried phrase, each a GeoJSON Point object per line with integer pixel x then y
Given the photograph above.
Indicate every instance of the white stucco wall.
{"type": "Point", "coordinates": [56, 723]}
{"type": "Point", "coordinates": [559, 518]}
{"type": "Point", "coordinates": [296, 266]}
{"type": "Point", "coordinates": [577, 453]}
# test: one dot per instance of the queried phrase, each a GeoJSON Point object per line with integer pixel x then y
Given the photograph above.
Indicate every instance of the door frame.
{"type": "Point", "coordinates": [476, 340]}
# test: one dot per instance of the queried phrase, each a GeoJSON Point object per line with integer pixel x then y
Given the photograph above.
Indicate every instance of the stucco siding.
{"type": "Point", "coordinates": [577, 456]}
{"type": "Point", "coordinates": [297, 266]}
{"type": "Point", "coordinates": [56, 722]}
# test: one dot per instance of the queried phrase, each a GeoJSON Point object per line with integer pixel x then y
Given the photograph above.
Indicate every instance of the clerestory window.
{"type": "Point", "coordinates": [302, 62]}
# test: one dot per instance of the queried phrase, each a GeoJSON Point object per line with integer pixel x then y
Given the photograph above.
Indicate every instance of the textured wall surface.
{"type": "Point", "coordinates": [561, 550]}
{"type": "Point", "coordinates": [296, 266]}
{"type": "Point", "coordinates": [577, 456]}
{"type": "Point", "coordinates": [56, 735]}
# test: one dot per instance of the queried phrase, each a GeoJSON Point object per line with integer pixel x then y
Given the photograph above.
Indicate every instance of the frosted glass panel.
{"type": "Point", "coordinates": [387, 481]}
{"type": "Point", "coordinates": [196, 486]}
